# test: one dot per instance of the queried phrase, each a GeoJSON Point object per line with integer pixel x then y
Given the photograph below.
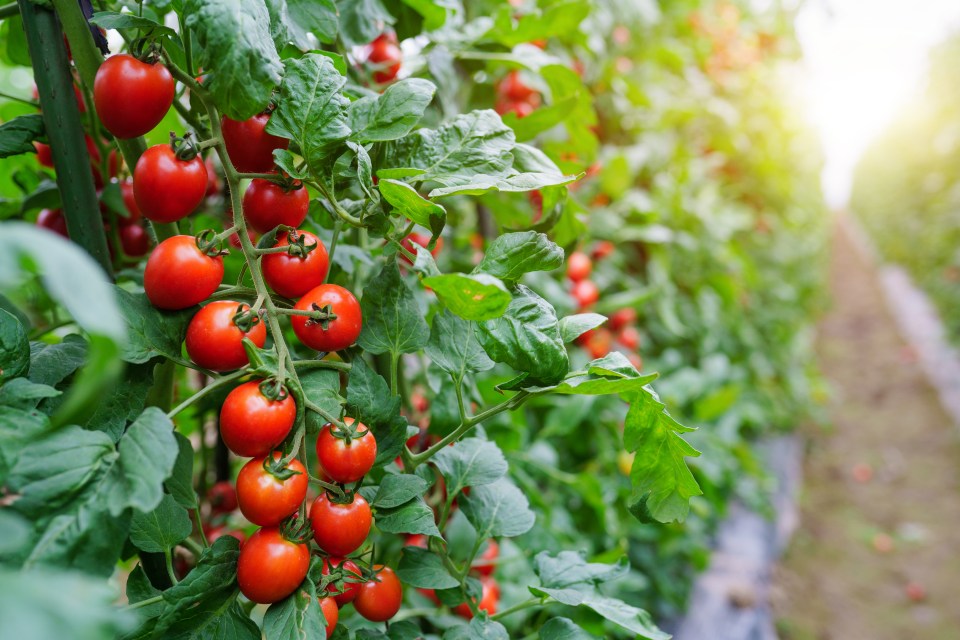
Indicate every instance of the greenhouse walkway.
{"type": "Point", "coordinates": [877, 554]}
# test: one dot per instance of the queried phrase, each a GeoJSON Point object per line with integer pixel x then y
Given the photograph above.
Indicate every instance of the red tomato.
{"type": "Point", "coordinates": [350, 589]}
{"type": "Point", "coordinates": [179, 275]}
{"type": "Point", "coordinates": [293, 276]}
{"type": "Point", "coordinates": [340, 529]}
{"type": "Point", "coordinates": [53, 220]}
{"type": "Point", "coordinates": [134, 239]}
{"type": "Point", "coordinates": [215, 342]}
{"type": "Point", "coordinates": [222, 497]}
{"type": "Point", "coordinates": [585, 293]}
{"type": "Point", "coordinates": [622, 318]}
{"type": "Point", "coordinates": [416, 540]}
{"type": "Point", "coordinates": [579, 266]}
{"type": "Point", "coordinates": [271, 567]}
{"type": "Point", "coordinates": [339, 333]}
{"type": "Point", "coordinates": [489, 598]}
{"type": "Point", "coordinates": [131, 97]}
{"type": "Point", "coordinates": [346, 462]}
{"type": "Point", "coordinates": [331, 614]}
{"type": "Point", "coordinates": [266, 500]}
{"type": "Point", "coordinates": [213, 533]}
{"type": "Point", "coordinates": [249, 146]}
{"type": "Point", "coordinates": [420, 239]}
{"type": "Point", "coordinates": [213, 180]}
{"type": "Point", "coordinates": [266, 204]}
{"type": "Point", "coordinates": [379, 600]}
{"type": "Point", "coordinates": [386, 56]}
{"type": "Point", "coordinates": [44, 154]}
{"type": "Point", "coordinates": [636, 361]}
{"type": "Point", "coordinates": [597, 342]}
{"type": "Point", "coordinates": [130, 202]}
{"type": "Point", "coordinates": [167, 188]}
{"type": "Point", "coordinates": [521, 109]}
{"type": "Point", "coordinates": [251, 424]}
{"type": "Point", "coordinates": [629, 337]}
{"type": "Point", "coordinates": [513, 89]}
{"type": "Point", "coordinates": [487, 562]}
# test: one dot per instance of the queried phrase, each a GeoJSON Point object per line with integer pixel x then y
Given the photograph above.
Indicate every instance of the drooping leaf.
{"type": "Point", "coordinates": [627, 616]}
{"type": "Point", "coordinates": [412, 205]}
{"type": "Point", "coordinates": [471, 296]}
{"type": "Point", "coordinates": [392, 321]}
{"type": "Point", "coordinates": [124, 21]}
{"type": "Point", "coordinates": [151, 332]}
{"type": "Point", "coordinates": [17, 135]}
{"type": "Point", "coordinates": [498, 509]}
{"type": "Point", "coordinates": [392, 114]}
{"type": "Point", "coordinates": [568, 568]}
{"type": "Point", "coordinates": [514, 254]}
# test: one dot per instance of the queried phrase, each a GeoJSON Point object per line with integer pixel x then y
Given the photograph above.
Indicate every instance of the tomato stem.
{"type": "Point", "coordinates": [145, 603]}
{"type": "Point", "coordinates": [219, 381]}
{"type": "Point", "coordinates": [203, 534]}
{"type": "Point", "coordinates": [322, 364]}
{"type": "Point", "coordinates": [325, 414]}
{"type": "Point", "coordinates": [526, 604]}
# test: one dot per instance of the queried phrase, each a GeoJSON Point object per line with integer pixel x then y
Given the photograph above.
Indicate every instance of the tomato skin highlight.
{"type": "Point", "coordinates": [331, 614]}
{"type": "Point", "coordinates": [131, 97]}
{"type": "Point", "coordinates": [166, 188]}
{"type": "Point", "coordinates": [222, 497]}
{"type": "Point", "coordinates": [53, 220]}
{"type": "Point", "coordinates": [265, 500]}
{"type": "Point", "coordinates": [380, 601]}
{"type": "Point", "coordinates": [134, 239]}
{"type": "Point", "coordinates": [622, 318]}
{"type": "Point", "coordinates": [178, 275]}
{"type": "Point", "coordinates": [270, 567]}
{"type": "Point", "coordinates": [585, 293]}
{"type": "Point", "coordinates": [44, 154]}
{"type": "Point", "coordinates": [340, 333]}
{"type": "Point", "coordinates": [266, 205]}
{"type": "Point", "coordinates": [293, 276]}
{"type": "Point", "coordinates": [386, 55]}
{"type": "Point", "coordinates": [249, 146]}
{"type": "Point", "coordinates": [213, 340]}
{"type": "Point", "coordinates": [251, 424]}
{"type": "Point", "coordinates": [513, 89]}
{"type": "Point", "coordinates": [340, 529]}
{"type": "Point", "coordinates": [629, 337]}
{"type": "Point", "coordinates": [344, 462]}
{"type": "Point", "coordinates": [579, 266]}
{"type": "Point", "coordinates": [350, 589]}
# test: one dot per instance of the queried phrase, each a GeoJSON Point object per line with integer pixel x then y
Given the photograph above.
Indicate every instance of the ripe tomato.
{"type": "Point", "coordinates": [346, 462]}
{"type": "Point", "coordinates": [130, 202]}
{"type": "Point", "coordinates": [486, 563]}
{"type": "Point", "coordinates": [350, 589]}
{"type": "Point", "coordinates": [416, 540]}
{"type": "Point", "coordinates": [603, 249]}
{"type": "Point", "coordinates": [409, 243]}
{"type": "Point", "coordinates": [521, 109]}
{"type": "Point", "coordinates": [215, 342]}
{"type": "Point", "coordinates": [252, 424]}
{"type": "Point", "coordinates": [271, 567]}
{"type": "Point", "coordinates": [131, 97]}
{"type": "Point", "coordinates": [179, 275]}
{"type": "Point", "coordinates": [213, 180]}
{"type": "Point", "coordinates": [44, 154]}
{"type": "Point", "coordinates": [222, 497]}
{"type": "Point", "coordinates": [597, 342]}
{"type": "Point", "coordinates": [339, 333]}
{"type": "Point", "coordinates": [340, 529]}
{"type": "Point", "coordinates": [249, 146]}
{"type": "Point", "coordinates": [266, 204]}
{"type": "Point", "coordinates": [513, 89]}
{"type": "Point", "coordinates": [379, 600]}
{"type": "Point", "coordinates": [331, 614]}
{"type": "Point", "coordinates": [585, 293]}
{"type": "Point", "coordinates": [579, 266]}
{"type": "Point", "coordinates": [134, 239]}
{"type": "Point", "coordinates": [622, 318]}
{"type": "Point", "coordinates": [293, 276]}
{"type": "Point", "coordinates": [167, 188]}
{"type": "Point", "coordinates": [386, 56]}
{"type": "Point", "coordinates": [266, 500]}
{"type": "Point", "coordinates": [489, 598]}
{"type": "Point", "coordinates": [629, 337]}
{"type": "Point", "coordinates": [53, 220]}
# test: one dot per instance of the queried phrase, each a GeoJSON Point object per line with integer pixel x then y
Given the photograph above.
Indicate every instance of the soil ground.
{"type": "Point", "coordinates": [880, 505]}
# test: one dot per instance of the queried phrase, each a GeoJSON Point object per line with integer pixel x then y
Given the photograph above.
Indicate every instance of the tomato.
{"type": "Point", "coordinates": [130, 202]}
{"type": "Point", "coordinates": [53, 220]}
{"type": "Point", "coordinates": [386, 56]}
{"type": "Point", "coordinates": [167, 188]}
{"type": "Point", "coordinates": [629, 337]}
{"type": "Point", "coordinates": [266, 500]}
{"type": "Point", "coordinates": [44, 154]}
{"type": "Point", "coordinates": [597, 342]}
{"type": "Point", "coordinates": [416, 540]}
{"type": "Point", "coordinates": [267, 204]}
{"type": "Point", "coordinates": [293, 276]}
{"type": "Point", "coordinates": [622, 318]}
{"type": "Point", "coordinates": [489, 598]}
{"type": "Point", "coordinates": [579, 266]}
{"type": "Point", "coordinates": [513, 89]}
{"type": "Point", "coordinates": [134, 239]}
{"type": "Point", "coordinates": [486, 563]}
{"type": "Point", "coordinates": [346, 462]}
{"type": "Point", "coordinates": [339, 333]}
{"type": "Point", "coordinates": [271, 567]}
{"type": "Point", "coordinates": [252, 424]}
{"type": "Point", "coordinates": [131, 97]}
{"type": "Point", "coordinates": [340, 529]}
{"type": "Point", "coordinates": [409, 243]}
{"type": "Point", "coordinates": [350, 589]}
{"type": "Point", "coordinates": [379, 600]}
{"type": "Point", "coordinates": [249, 146]}
{"type": "Point", "coordinates": [331, 614]}
{"type": "Point", "coordinates": [222, 497]}
{"type": "Point", "coordinates": [636, 361]}
{"type": "Point", "coordinates": [178, 275]}
{"type": "Point", "coordinates": [585, 293]}
{"type": "Point", "coordinates": [215, 342]}
{"type": "Point", "coordinates": [213, 180]}
{"type": "Point", "coordinates": [521, 109]}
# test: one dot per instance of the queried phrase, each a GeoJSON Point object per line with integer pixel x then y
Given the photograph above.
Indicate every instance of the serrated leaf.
{"type": "Point", "coordinates": [17, 135]}
{"type": "Point", "coordinates": [147, 453]}
{"type": "Point", "coordinates": [472, 462]}
{"type": "Point", "coordinates": [151, 332]}
{"type": "Point", "coordinates": [512, 255]}
{"type": "Point", "coordinates": [572, 327]}
{"type": "Point", "coordinates": [362, 20]}
{"type": "Point", "coordinates": [122, 21]}
{"type": "Point", "coordinates": [498, 509]}
{"type": "Point", "coordinates": [162, 528]}
{"type": "Point", "coordinates": [370, 401]}
{"type": "Point", "coordinates": [318, 17]}
{"type": "Point", "coordinates": [322, 387]}
{"type": "Point", "coordinates": [471, 296]}
{"type": "Point", "coordinates": [412, 517]}
{"type": "Point", "coordinates": [124, 402]}
{"type": "Point", "coordinates": [180, 482]}
{"type": "Point", "coordinates": [478, 629]}
{"type": "Point", "coordinates": [454, 347]}
{"type": "Point", "coordinates": [392, 114]}
{"type": "Point", "coordinates": [568, 568]}
{"type": "Point", "coordinates": [14, 348]}
{"type": "Point", "coordinates": [50, 364]}
{"type": "Point", "coordinates": [392, 321]}
{"type": "Point", "coordinates": [629, 617]}
{"type": "Point", "coordinates": [398, 489]}
{"type": "Point", "coordinates": [406, 201]}
{"type": "Point", "coordinates": [424, 569]}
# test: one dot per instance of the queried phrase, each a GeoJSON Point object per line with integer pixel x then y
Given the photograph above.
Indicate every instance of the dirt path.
{"type": "Point", "coordinates": [881, 498]}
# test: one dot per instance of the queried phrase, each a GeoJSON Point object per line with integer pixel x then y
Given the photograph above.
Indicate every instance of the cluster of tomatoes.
{"type": "Point", "coordinates": [482, 568]}
{"type": "Point", "coordinates": [516, 96]}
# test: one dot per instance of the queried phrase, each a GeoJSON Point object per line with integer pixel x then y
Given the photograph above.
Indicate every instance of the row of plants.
{"type": "Point", "coordinates": [440, 248]}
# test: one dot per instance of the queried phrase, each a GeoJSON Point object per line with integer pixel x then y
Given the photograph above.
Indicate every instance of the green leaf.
{"type": "Point", "coordinates": [24, 394]}
{"type": "Point", "coordinates": [568, 568]}
{"type": "Point", "coordinates": [123, 402]}
{"type": "Point", "coordinates": [14, 348]}
{"type": "Point", "coordinates": [413, 516]}
{"type": "Point", "coordinates": [662, 483]}
{"type": "Point", "coordinates": [471, 296]}
{"type": "Point", "coordinates": [514, 254]}
{"type": "Point", "coordinates": [542, 119]}
{"type": "Point", "coordinates": [392, 114]}
{"type": "Point", "coordinates": [629, 617]}
{"type": "Point", "coordinates": [606, 376]}
{"type": "Point", "coordinates": [472, 462]}
{"type": "Point", "coordinates": [424, 569]}
{"type": "Point", "coordinates": [312, 110]}
{"type": "Point", "coordinates": [237, 53]}
{"type": "Point", "coordinates": [497, 509]}
{"type": "Point", "coordinates": [572, 327]}
{"type": "Point", "coordinates": [411, 204]}
{"type": "Point", "coordinates": [454, 347]}
{"type": "Point", "coordinates": [527, 337]}
{"type": "Point", "coordinates": [563, 629]}
{"type": "Point", "coordinates": [555, 19]}
{"type": "Point", "coordinates": [369, 400]}
{"type": "Point", "coordinates": [434, 13]}
{"type": "Point", "coordinates": [19, 429]}
{"type": "Point", "coordinates": [318, 17]}
{"type": "Point", "coordinates": [180, 482]}
{"type": "Point", "coordinates": [139, 589]}
{"type": "Point", "coordinates": [17, 135]}
{"type": "Point", "coordinates": [392, 321]}
{"type": "Point", "coordinates": [361, 20]}
{"type": "Point", "coordinates": [162, 528]}
{"type": "Point", "coordinates": [52, 363]}
{"type": "Point", "coordinates": [124, 21]}
{"type": "Point", "coordinates": [478, 629]}
{"type": "Point", "coordinates": [151, 332]}
{"type": "Point", "coordinates": [148, 451]}
{"type": "Point", "coordinates": [322, 387]}
{"type": "Point", "coordinates": [398, 489]}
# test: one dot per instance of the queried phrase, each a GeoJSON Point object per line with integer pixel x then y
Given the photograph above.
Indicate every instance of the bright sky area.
{"type": "Point", "coordinates": [863, 60]}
